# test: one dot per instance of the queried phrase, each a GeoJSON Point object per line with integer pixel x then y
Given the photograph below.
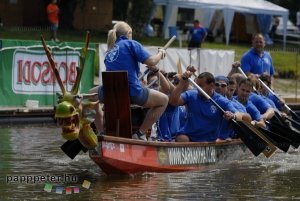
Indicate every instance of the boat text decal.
{"type": "Point", "coordinates": [187, 155]}
{"type": "Point", "coordinates": [108, 145]}
{"type": "Point", "coordinates": [122, 148]}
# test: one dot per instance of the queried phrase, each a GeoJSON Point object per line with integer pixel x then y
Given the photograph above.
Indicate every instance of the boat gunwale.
{"type": "Point", "coordinates": [165, 144]}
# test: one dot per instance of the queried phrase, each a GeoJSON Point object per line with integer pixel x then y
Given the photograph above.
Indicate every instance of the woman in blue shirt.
{"type": "Point", "coordinates": [123, 53]}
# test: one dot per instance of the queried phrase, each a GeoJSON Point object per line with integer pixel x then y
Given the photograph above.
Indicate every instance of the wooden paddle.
{"type": "Point", "coordinates": [277, 125]}
{"type": "Point", "coordinates": [252, 137]}
{"type": "Point", "coordinates": [169, 42]}
{"type": "Point", "coordinates": [279, 141]}
{"type": "Point", "coordinates": [295, 120]}
{"type": "Point", "coordinates": [294, 114]}
{"type": "Point", "coordinates": [144, 74]}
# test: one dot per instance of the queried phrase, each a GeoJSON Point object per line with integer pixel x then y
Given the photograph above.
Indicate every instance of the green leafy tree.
{"type": "Point", "coordinates": [137, 13]}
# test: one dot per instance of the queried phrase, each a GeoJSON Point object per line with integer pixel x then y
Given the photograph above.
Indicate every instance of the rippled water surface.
{"type": "Point", "coordinates": [29, 153]}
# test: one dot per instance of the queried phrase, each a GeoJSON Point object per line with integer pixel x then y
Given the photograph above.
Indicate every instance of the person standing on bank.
{"type": "Point", "coordinates": [256, 60]}
{"type": "Point", "coordinates": [123, 53]}
{"type": "Point", "coordinates": [196, 35]}
{"type": "Point", "coordinates": [53, 18]}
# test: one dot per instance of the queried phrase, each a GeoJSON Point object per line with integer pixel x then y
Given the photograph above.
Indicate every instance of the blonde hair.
{"type": "Point", "coordinates": [119, 29]}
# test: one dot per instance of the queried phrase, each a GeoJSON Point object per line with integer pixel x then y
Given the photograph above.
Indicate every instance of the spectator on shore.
{"type": "Point", "coordinates": [256, 60]}
{"type": "Point", "coordinates": [196, 35]}
{"type": "Point", "coordinates": [275, 24]}
{"type": "Point", "coordinates": [53, 18]}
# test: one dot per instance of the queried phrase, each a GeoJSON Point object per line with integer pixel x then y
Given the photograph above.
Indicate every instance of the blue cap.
{"type": "Point", "coordinates": [222, 78]}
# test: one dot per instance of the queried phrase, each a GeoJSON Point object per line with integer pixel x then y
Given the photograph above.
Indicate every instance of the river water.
{"type": "Point", "coordinates": [32, 167]}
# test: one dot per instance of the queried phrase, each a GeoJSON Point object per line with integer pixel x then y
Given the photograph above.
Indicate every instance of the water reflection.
{"type": "Point", "coordinates": [34, 151]}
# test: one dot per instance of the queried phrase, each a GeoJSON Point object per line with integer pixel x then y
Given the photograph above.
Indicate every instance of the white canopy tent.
{"type": "Point", "coordinates": [229, 7]}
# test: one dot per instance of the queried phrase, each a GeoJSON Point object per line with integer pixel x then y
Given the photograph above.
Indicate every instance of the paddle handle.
{"type": "Point", "coordinates": [169, 42]}
{"type": "Point", "coordinates": [205, 94]}
{"type": "Point", "coordinates": [152, 82]}
{"type": "Point", "coordinates": [293, 121]}
{"type": "Point", "coordinates": [144, 73]}
{"type": "Point", "coordinates": [272, 92]}
{"type": "Point", "coordinates": [242, 72]}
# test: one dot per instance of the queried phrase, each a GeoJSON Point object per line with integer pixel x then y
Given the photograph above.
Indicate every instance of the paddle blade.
{"type": "Point", "coordinates": [253, 139]}
{"type": "Point", "coordinates": [295, 122]}
{"type": "Point", "coordinates": [286, 132]}
{"type": "Point", "coordinates": [295, 116]}
{"type": "Point", "coordinates": [255, 144]}
{"type": "Point", "coordinates": [72, 148]}
{"type": "Point", "coordinates": [279, 141]}
{"type": "Point", "coordinates": [270, 147]}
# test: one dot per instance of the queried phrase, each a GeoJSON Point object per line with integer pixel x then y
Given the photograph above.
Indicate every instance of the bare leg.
{"type": "Point", "coordinates": [157, 102]}
{"type": "Point", "coordinates": [99, 112]}
{"type": "Point", "coordinates": [99, 118]}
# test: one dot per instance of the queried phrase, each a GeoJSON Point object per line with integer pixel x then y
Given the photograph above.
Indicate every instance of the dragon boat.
{"type": "Point", "coordinates": [115, 152]}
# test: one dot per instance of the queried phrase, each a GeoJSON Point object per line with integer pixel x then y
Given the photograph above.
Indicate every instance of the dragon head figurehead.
{"type": "Point", "coordinates": [68, 118]}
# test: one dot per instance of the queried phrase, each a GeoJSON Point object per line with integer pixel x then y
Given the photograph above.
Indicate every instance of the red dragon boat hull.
{"type": "Point", "coordinates": [116, 155]}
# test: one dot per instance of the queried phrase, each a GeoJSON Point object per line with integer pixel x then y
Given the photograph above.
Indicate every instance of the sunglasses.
{"type": "Point", "coordinates": [223, 85]}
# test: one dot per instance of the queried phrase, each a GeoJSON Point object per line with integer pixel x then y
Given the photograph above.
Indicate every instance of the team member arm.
{"type": "Point", "coordinates": [268, 114]}
{"type": "Point", "coordinates": [258, 120]}
{"type": "Point", "coordinates": [234, 68]}
{"type": "Point", "coordinates": [164, 85]}
{"type": "Point", "coordinates": [154, 59]}
{"type": "Point", "coordinates": [231, 112]}
{"type": "Point", "coordinates": [175, 97]}
{"type": "Point", "coordinates": [260, 123]}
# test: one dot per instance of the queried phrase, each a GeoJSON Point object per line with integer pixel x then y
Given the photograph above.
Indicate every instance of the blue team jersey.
{"type": "Point", "coordinates": [252, 110]}
{"type": "Point", "coordinates": [226, 127]}
{"type": "Point", "coordinates": [239, 106]}
{"type": "Point", "coordinates": [197, 33]}
{"type": "Point", "coordinates": [170, 122]}
{"type": "Point", "coordinates": [126, 55]}
{"type": "Point", "coordinates": [269, 101]}
{"type": "Point", "coordinates": [253, 63]}
{"type": "Point", "coordinates": [275, 100]}
{"type": "Point", "coordinates": [260, 103]}
{"type": "Point", "coordinates": [203, 117]}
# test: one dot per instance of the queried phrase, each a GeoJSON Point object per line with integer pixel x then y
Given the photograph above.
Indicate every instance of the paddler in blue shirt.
{"type": "Point", "coordinates": [203, 117]}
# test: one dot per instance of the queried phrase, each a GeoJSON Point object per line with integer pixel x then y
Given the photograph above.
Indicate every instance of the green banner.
{"type": "Point", "coordinates": [25, 72]}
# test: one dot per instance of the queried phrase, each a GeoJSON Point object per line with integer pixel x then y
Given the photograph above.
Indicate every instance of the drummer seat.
{"type": "Point", "coordinates": [117, 112]}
